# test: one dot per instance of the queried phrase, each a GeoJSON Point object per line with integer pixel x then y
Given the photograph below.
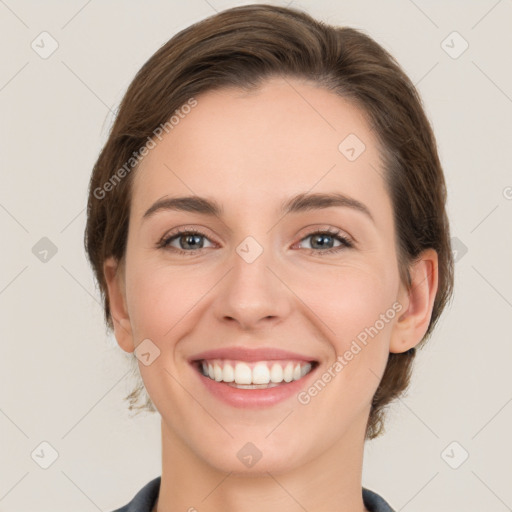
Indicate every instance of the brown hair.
{"type": "Point", "coordinates": [241, 47]}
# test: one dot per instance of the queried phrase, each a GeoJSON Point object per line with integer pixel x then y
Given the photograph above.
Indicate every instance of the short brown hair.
{"type": "Point", "coordinates": [241, 47]}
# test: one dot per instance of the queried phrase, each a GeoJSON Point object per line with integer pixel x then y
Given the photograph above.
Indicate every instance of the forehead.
{"type": "Point", "coordinates": [286, 137]}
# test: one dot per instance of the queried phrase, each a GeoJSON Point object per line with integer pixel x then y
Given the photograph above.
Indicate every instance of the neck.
{"type": "Point", "coordinates": [329, 482]}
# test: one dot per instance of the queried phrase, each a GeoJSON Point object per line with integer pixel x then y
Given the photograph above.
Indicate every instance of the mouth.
{"type": "Point", "coordinates": [252, 375]}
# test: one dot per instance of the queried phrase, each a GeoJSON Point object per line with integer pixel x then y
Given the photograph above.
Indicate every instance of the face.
{"type": "Point", "coordinates": [318, 280]}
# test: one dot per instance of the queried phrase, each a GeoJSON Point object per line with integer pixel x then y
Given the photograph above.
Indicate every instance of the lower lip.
{"type": "Point", "coordinates": [245, 398]}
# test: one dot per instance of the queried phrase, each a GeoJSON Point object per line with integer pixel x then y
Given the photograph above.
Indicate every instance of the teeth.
{"type": "Point", "coordinates": [288, 372]}
{"type": "Point", "coordinates": [304, 370]}
{"type": "Point", "coordinates": [255, 375]}
{"type": "Point", "coordinates": [217, 372]}
{"type": "Point", "coordinates": [243, 373]}
{"type": "Point", "coordinates": [228, 374]}
{"type": "Point", "coordinates": [276, 373]}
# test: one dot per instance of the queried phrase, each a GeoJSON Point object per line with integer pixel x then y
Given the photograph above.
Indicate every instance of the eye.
{"type": "Point", "coordinates": [188, 240]}
{"type": "Point", "coordinates": [322, 242]}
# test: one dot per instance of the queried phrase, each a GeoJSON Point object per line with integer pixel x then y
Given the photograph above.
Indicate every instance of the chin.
{"type": "Point", "coordinates": [253, 458]}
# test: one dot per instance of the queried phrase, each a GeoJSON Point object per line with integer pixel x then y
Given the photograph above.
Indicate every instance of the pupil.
{"type": "Point", "coordinates": [321, 237]}
{"type": "Point", "coordinates": [188, 238]}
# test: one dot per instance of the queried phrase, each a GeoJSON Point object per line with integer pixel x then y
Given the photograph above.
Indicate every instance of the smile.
{"type": "Point", "coordinates": [254, 375]}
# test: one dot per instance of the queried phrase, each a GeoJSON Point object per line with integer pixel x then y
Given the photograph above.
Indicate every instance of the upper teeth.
{"type": "Point", "coordinates": [261, 372]}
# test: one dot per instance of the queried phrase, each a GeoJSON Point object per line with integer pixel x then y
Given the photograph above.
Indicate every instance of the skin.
{"type": "Point", "coordinates": [250, 152]}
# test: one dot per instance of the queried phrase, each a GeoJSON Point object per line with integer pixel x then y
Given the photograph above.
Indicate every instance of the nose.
{"type": "Point", "coordinates": [252, 294]}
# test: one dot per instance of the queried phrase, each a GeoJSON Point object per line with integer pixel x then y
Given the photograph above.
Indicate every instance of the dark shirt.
{"type": "Point", "coordinates": [145, 499]}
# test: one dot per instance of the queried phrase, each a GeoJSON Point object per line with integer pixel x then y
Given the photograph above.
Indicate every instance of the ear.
{"type": "Point", "coordinates": [114, 276]}
{"type": "Point", "coordinates": [417, 302]}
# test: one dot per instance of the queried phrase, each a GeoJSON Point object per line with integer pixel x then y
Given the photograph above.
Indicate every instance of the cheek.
{"type": "Point", "coordinates": [355, 306]}
{"type": "Point", "coordinates": [160, 300]}
{"type": "Point", "coordinates": [150, 304]}
{"type": "Point", "coordinates": [161, 297]}
{"type": "Point", "coordinates": [349, 300]}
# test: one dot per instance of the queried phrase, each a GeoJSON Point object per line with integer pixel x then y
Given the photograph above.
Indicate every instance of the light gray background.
{"type": "Point", "coordinates": [63, 378]}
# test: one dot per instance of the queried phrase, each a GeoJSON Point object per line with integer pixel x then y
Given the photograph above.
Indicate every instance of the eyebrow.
{"type": "Point", "coordinates": [296, 204]}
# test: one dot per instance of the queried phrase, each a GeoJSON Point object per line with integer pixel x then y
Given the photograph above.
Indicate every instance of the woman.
{"type": "Point", "coordinates": [267, 225]}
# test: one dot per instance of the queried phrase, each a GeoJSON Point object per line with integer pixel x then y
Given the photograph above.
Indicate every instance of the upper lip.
{"type": "Point", "coordinates": [250, 354]}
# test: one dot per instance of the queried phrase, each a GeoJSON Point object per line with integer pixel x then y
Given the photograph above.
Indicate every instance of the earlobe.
{"type": "Point", "coordinates": [114, 277]}
{"type": "Point", "coordinates": [413, 321]}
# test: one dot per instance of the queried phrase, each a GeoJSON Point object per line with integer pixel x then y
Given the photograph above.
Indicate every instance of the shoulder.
{"type": "Point", "coordinates": [375, 503]}
{"type": "Point", "coordinates": [145, 499]}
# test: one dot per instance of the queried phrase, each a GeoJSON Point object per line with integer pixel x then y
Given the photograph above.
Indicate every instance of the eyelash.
{"type": "Point", "coordinates": [346, 243]}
